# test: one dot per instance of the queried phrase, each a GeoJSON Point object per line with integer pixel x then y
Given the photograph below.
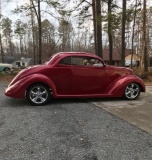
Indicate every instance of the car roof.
{"type": "Point", "coordinates": [76, 54]}
{"type": "Point", "coordinates": [58, 56]}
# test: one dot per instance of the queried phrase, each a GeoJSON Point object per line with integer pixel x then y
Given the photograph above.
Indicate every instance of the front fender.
{"type": "Point", "coordinates": [18, 89]}
{"type": "Point", "coordinates": [117, 87]}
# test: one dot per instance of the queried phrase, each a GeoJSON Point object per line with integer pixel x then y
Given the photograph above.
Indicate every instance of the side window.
{"type": "Point", "coordinates": [98, 63]}
{"type": "Point", "coordinates": [81, 61]}
{"type": "Point", "coordinates": [66, 61]}
{"type": "Point", "coordinates": [78, 61]}
{"type": "Point", "coordinates": [89, 61]}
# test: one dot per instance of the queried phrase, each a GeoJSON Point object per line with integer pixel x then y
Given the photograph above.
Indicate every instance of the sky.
{"type": "Point", "coordinates": [7, 9]}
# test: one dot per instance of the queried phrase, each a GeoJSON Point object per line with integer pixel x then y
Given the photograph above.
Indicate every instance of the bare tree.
{"type": "Point", "coordinates": [110, 30]}
{"type": "Point", "coordinates": [33, 35]}
{"type": "Point", "coordinates": [123, 45]}
{"type": "Point", "coordinates": [98, 28]}
{"type": "Point", "coordinates": [1, 45]}
{"type": "Point", "coordinates": [7, 30]}
{"type": "Point", "coordinates": [133, 31]}
{"type": "Point", "coordinates": [144, 37]}
{"type": "Point", "coordinates": [38, 15]}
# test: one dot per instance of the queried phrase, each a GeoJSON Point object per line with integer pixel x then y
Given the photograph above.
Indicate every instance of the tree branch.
{"type": "Point", "coordinates": [35, 9]}
{"type": "Point", "coordinates": [51, 14]}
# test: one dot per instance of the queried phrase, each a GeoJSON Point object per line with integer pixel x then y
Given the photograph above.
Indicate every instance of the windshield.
{"type": "Point", "coordinates": [51, 59]}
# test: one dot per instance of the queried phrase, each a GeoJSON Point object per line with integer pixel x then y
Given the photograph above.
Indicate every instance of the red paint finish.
{"type": "Point", "coordinates": [67, 76]}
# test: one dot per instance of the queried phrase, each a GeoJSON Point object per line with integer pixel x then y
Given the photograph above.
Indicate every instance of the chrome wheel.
{"type": "Point", "coordinates": [132, 91]}
{"type": "Point", "coordinates": [38, 94]}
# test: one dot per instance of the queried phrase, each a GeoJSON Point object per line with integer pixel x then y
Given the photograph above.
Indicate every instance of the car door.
{"type": "Point", "coordinates": [88, 79]}
{"type": "Point", "coordinates": [62, 76]}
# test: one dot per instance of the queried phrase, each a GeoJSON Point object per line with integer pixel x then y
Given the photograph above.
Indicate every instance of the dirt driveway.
{"type": "Point", "coordinates": [137, 112]}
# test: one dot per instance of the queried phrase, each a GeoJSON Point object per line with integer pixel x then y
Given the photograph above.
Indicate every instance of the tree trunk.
{"type": "Point", "coordinates": [40, 34]}
{"type": "Point", "coordinates": [11, 48]}
{"type": "Point", "coordinates": [110, 32]}
{"type": "Point", "coordinates": [94, 24]}
{"type": "Point", "coordinates": [38, 15]}
{"type": "Point", "coordinates": [123, 45]}
{"type": "Point", "coordinates": [33, 36]}
{"type": "Point", "coordinates": [145, 56]}
{"type": "Point", "coordinates": [133, 32]}
{"type": "Point", "coordinates": [1, 47]}
{"type": "Point", "coordinates": [98, 28]}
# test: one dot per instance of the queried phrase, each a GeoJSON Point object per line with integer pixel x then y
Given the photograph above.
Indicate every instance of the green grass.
{"type": "Point", "coordinates": [2, 74]}
{"type": "Point", "coordinates": [13, 73]}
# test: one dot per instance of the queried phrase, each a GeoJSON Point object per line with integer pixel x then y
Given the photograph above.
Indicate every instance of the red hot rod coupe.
{"type": "Point", "coordinates": [74, 75]}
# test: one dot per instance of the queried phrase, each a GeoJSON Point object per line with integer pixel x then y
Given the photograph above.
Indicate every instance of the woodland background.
{"type": "Point", "coordinates": [45, 27]}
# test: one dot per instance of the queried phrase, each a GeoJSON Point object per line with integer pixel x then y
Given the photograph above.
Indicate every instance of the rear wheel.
{"type": "Point", "coordinates": [132, 91]}
{"type": "Point", "coordinates": [6, 70]}
{"type": "Point", "coordinates": [38, 94]}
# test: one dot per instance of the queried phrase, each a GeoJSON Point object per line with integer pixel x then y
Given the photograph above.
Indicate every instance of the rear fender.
{"type": "Point", "coordinates": [24, 83]}
{"type": "Point", "coordinates": [39, 78]}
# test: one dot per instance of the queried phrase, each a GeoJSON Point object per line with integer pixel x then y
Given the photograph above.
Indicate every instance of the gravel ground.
{"type": "Point", "coordinates": [67, 130]}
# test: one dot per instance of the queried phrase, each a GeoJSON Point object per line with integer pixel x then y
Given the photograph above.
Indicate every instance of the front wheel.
{"type": "Point", "coordinates": [38, 94]}
{"type": "Point", "coordinates": [132, 91]}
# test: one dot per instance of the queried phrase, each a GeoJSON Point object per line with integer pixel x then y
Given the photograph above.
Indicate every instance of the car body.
{"type": "Point", "coordinates": [134, 63]}
{"type": "Point", "coordinates": [6, 67]}
{"type": "Point", "coordinates": [74, 75]}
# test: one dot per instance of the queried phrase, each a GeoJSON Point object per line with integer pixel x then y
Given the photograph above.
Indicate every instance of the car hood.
{"type": "Point", "coordinates": [117, 67]}
{"type": "Point", "coordinates": [120, 69]}
{"type": "Point", "coordinates": [5, 65]}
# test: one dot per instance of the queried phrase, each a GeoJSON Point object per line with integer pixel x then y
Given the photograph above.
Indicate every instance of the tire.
{"type": "Point", "coordinates": [132, 91]}
{"type": "Point", "coordinates": [38, 94]}
{"type": "Point", "coordinates": [6, 70]}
